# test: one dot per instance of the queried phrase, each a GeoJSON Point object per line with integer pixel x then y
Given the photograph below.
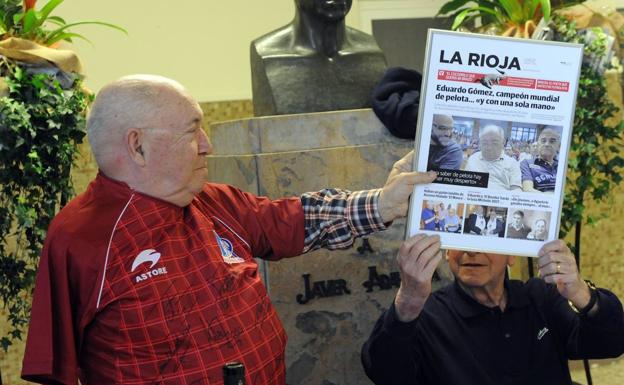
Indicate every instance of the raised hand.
{"type": "Point", "coordinates": [418, 258]}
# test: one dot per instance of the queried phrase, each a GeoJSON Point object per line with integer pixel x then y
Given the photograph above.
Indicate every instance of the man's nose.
{"type": "Point", "coordinates": [204, 145]}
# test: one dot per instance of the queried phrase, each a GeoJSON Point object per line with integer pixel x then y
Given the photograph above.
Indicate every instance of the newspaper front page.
{"type": "Point", "coordinates": [495, 122]}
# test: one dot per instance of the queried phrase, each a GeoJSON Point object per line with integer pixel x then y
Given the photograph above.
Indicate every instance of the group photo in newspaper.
{"type": "Point", "coordinates": [496, 128]}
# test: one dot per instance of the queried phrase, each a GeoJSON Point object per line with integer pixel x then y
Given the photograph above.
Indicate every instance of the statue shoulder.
{"type": "Point", "coordinates": [361, 41]}
{"type": "Point", "coordinates": [275, 43]}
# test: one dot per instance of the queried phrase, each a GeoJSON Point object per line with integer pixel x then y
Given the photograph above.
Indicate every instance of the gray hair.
{"type": "Point", "coordinates": [492, 128]}
{"type": "Point", "coordinates": [554, 129]}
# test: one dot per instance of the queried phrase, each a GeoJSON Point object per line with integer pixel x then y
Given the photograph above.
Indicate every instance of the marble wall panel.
{"type": "Point", "coordinates": [298, 132]}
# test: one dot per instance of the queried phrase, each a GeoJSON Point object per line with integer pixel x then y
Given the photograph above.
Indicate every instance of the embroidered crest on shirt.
{"type": "Point", "coordinates": [227, 251]}
{"type": "Point", "coordinates": [148, 255]}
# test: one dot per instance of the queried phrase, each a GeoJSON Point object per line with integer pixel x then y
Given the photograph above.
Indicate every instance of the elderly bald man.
{"type": "Point", "coordinates": [149, 276]}
{"type": "Point", "coordinates": [503, 170]}
{"type": "Point", "coordinates": [444, 153]}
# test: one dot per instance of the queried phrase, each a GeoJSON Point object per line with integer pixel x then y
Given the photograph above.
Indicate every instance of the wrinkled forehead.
{"type": "Point", "coordinates": [491, 136]}
{"type": "Point", "coordinates": [549, 133]}
{"type": "Point", "coordinates": [173, 106]}
{"type": "Point", "coordinates": [443, 120]}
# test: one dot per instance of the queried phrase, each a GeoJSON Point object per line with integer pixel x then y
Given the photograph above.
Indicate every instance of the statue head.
{"type": "Point", "coordinates": [329, 10]}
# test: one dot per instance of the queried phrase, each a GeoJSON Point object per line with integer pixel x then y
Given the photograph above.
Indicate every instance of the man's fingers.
{"type": "Point", "coordinates": [421, 252]}
{"type": "Point", "coordinates": [405, 163]}
{"type": "Point", "coordinates": [555, 268]}
{"type": "Point", "coordinates": [431, 256]}
{"type": "Point", "coordinates": [555, 257]}
{"type": "Point", "coordinates": [432, 264]}
{"type": "Point", "coordinates": [406, 246]}
{"type": "Point", "coordinates": [561, 278]}
{"type": "Point", "coordinates": [415, 177]}
{"type": "Point", "coordinates": [555, 263]}
{"type": "Point", "coordinates": [429, 252]}
{"type": "Point", "coordinates": [413, 247]}
{"type": "Point", "coordinates": [557, 245]}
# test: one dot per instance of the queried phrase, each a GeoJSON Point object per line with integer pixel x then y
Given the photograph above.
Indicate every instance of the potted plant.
{"type": "Point", "coordinates": [516, 18]}
{"type": "Point", "coordinates": [42, 122]}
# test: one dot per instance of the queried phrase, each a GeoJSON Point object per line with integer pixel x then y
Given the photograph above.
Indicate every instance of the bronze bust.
{"type": "Point", "coordinates": [315, 63]}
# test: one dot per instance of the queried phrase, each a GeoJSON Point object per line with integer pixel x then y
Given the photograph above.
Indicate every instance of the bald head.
{"type": "Point", "coordinates": [135, 101]}
{"type": "Point", "coordinates": [147, 132]}
{"type": "Point", "coordinates": [442, 129]}
{"type": "Point", "coordinates": [491, 142]}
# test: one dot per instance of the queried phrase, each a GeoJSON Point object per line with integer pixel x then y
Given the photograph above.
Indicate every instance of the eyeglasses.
{"type": "Point", "coordinates": [442, 128]}
{"type": "Point", "coordinates": [549, 140]}
{"type": "Point", "coordinates": [491, 143]}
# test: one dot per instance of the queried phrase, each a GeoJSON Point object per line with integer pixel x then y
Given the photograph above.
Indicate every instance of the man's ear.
{"type": "Point", "coordinates": [134, 146]}
{"type": "Point", "coordinates": [511, 260]}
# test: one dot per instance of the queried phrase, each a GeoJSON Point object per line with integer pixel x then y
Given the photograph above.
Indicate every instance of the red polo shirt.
{"type": "Point", "coordinates": [135, 290]}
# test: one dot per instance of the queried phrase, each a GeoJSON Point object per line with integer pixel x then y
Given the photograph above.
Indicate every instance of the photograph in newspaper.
{"type": "Point", "coordinates": [528, 224]}
{"type": "Point", "coordinates": [499, 155]}
{"type": "Point", "coordinates": [495, 122]}
{"type": "Point", "coordinates": [444, 216]}
{"type": "Point", "coordinates": [487, 221]}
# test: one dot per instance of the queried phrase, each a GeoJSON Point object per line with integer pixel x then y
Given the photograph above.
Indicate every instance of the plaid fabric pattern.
{"type": "Point", "coordinates": [179, 320]}
{"type": "Point", "coordinates": [133, 290]}
{"type": "Point", "coordinates": [334, 218]}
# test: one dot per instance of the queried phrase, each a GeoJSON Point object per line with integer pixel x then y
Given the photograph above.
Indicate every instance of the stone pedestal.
{"type": "Point", "coordinates": [286, 155]}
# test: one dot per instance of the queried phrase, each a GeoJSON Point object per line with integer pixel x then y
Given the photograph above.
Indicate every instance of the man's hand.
{"type": "Point", "coordinates": [557, 265]}
{"type": "Point", "coordinates": [394, 197]}
{"type": "Point", "coordinates": [418, 258]}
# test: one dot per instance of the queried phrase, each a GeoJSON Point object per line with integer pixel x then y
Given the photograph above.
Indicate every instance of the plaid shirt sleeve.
{"type": "Point", "coordinates": [334, 218]}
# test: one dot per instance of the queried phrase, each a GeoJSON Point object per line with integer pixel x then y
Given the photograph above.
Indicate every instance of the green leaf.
{"type": "Point", "coordinates": [17, 18]}
{"type": "Point", "coordinates": [459, 19]}
{"type": "Point", "coordinates": [56, 20]}
{"type": "Point", "coordinates": [67, 36]}
{"type": "Point", "coordinates": [545, 9]}
{"type": "Point", "coordinates": [5, 343]}
{"type": "Point", "coordinates": [513, 9]}
{"type": "Point", "coordinates": [452, 6]}
{"type": "Point", "coordinates": [52, 36]}
{"type": "Point", "coordinates": [30, 21]}
{"type": "Point", "coordinates": [49, 7]}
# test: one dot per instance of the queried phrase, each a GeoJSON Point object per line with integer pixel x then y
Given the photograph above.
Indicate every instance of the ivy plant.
{"type": "Point", "coordinates": [596, 161]}
{"type": "Point", "coordinates": [41, 125]}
